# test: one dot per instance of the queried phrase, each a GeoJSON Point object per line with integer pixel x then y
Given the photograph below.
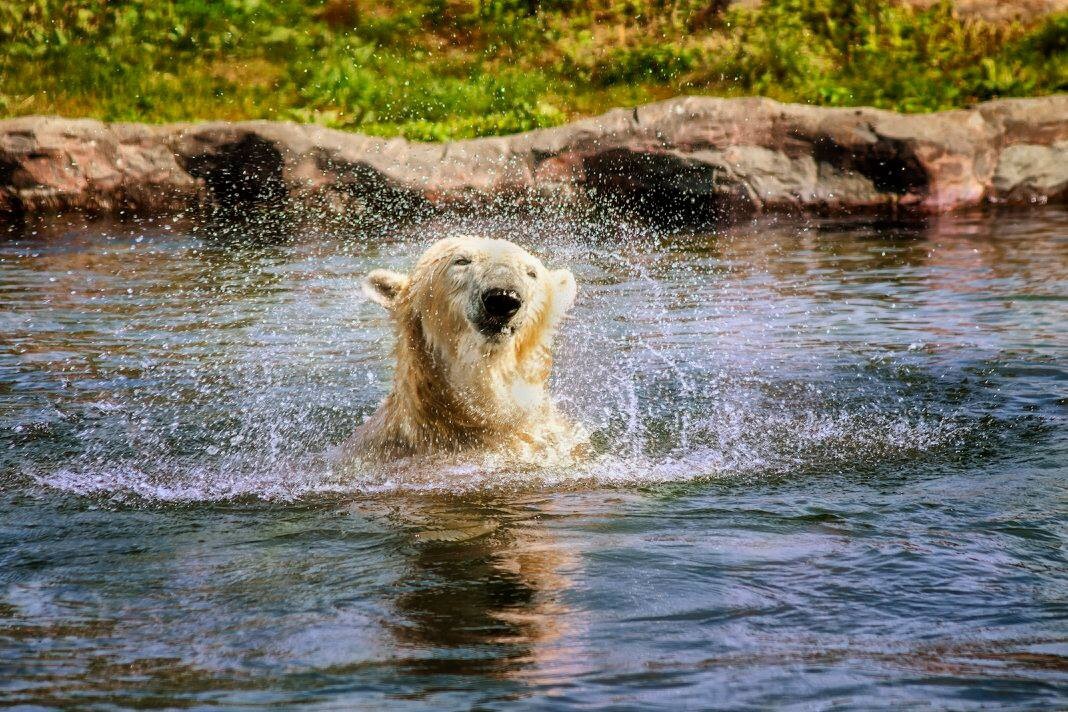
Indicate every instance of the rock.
{"type": "Point", "coordinates": [51, 165]}
{"type": "Point", "coordinates": [696, 156]}
{"type": "Point", "coordinates": [1027, 173]}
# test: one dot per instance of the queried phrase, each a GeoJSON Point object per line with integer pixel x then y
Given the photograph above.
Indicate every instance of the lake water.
{"type": "Point", "coordinates": [831, 472]}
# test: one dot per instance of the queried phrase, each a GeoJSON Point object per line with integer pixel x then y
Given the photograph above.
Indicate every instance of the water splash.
{"type": "Point", "coordinates": [170, 368]}
{"type": "Point", "coordinates": [734, 443]}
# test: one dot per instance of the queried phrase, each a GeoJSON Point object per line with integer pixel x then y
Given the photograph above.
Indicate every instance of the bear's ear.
{"type": "Point", "coordinates": [384, 286]}
{"type": "Point", "coordinates": [564, 290]}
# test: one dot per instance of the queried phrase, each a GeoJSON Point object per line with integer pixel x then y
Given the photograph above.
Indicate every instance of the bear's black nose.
{"type": "Point", "coordinates": [500, 303]}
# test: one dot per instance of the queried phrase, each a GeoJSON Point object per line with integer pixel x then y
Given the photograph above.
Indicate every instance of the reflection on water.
{"type": "Point", "coordinates": [830, 469]}
{"type": "Point", "coordinates": [497, 595]}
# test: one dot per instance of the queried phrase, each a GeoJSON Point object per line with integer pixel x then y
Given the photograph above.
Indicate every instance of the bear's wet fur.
{"type": "Point", "coordinates": [474, 324]}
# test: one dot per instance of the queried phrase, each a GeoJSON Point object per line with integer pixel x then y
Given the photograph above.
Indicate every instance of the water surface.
{"type": "Point", "coordinates": [831, 472]}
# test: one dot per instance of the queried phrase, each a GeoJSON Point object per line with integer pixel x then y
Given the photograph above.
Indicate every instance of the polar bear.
{"type": "Point", "coordinates": [474, 324]}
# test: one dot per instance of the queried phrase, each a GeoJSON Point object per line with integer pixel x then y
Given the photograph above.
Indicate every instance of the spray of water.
{"type": "Point", "coordinates": [202, 371]}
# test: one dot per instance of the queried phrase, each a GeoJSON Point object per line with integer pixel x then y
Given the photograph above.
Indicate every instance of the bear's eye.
{"type": "Point", "coordinates": [461, 261]}
{"type": "Point", "coordinates": [532, 273]}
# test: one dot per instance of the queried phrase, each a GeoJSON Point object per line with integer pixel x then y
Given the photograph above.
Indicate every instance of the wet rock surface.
{"type": "Point", "coordinates": [699, 156]}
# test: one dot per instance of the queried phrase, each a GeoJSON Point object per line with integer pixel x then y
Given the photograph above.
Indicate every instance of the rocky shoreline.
{"type": "Point", "coordinates": [707, 156]}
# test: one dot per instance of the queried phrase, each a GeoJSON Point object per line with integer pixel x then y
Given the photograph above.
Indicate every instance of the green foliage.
{"type": "Point", "coordinates": [887, 55]}
{"type": "Point", "coordinates": [379, 91]}
{"type": "Point", "coordinates": [44, 28]}
{"type": "Point", "coordinates": [645, 63]}
{"type": "Point", "coordinates": [435, 69]}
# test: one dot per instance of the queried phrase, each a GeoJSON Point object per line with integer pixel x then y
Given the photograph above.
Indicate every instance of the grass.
{"type": "Point", "coordinates": [438, 69]}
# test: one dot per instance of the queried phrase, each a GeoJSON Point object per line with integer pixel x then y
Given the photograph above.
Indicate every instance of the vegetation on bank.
{"type": "Point", "coordinates": [436, 69]}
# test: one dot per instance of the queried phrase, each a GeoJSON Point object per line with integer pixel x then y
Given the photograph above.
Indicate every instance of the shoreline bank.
{"type": "Point", "coordinates": [690, 156]}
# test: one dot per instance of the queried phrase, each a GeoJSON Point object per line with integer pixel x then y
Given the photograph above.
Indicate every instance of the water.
{"type": "Point", "coordinates": [831, 472]}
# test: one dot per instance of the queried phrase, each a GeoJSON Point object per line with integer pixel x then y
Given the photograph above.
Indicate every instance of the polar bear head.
{"type": "Point", "coordinates": [474, 322]}
{"type": "Point", "coordinates": [476, 297]}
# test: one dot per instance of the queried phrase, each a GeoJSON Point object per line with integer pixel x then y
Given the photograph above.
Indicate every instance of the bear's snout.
{"type": "Point", "coordinates": [501, 304]}
{"type": "Point", "coordinates": [498, 308]}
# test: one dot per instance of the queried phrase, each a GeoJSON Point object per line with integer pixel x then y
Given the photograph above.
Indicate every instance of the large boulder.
{"type": "Point", "coordinates": [52, 165]}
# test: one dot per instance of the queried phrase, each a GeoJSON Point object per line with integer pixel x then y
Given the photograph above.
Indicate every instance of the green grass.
{"type": "Point", "coordinates": [437, 69]}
